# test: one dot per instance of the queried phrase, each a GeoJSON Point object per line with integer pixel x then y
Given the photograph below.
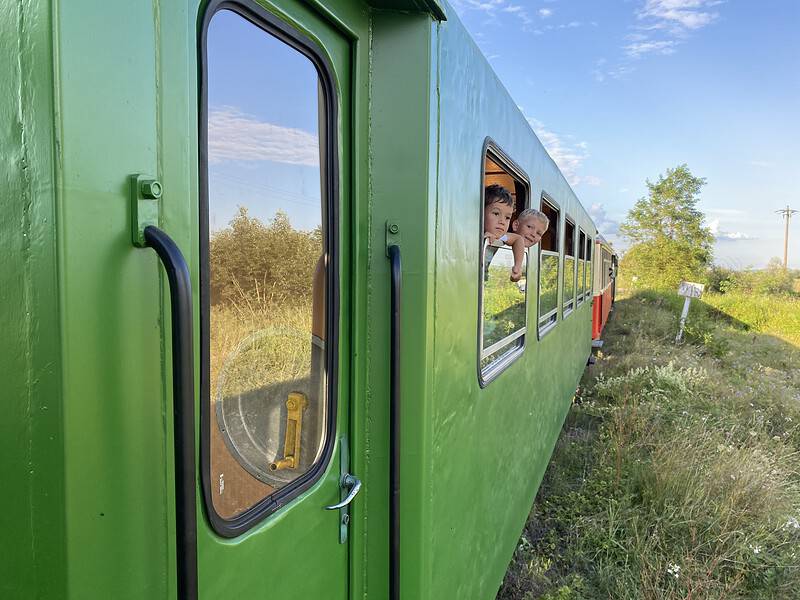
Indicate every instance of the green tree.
{"type": "Point", "coordinates": [670, 243]}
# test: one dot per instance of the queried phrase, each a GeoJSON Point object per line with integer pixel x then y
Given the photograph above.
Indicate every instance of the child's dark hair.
{"type": "Point", "coordinates": [497, 193]}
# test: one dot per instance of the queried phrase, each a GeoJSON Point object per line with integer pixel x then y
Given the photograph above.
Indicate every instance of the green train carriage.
{"type": "Point", "coordinates": [179, 434]}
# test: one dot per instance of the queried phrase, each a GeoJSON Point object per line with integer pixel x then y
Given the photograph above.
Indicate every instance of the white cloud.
{"type": "Point", "coordinates": [568, 156]}
{"type": "Point", "coordinates": [661, 27]}
{"type": "Point", "coordinates": [763, 164]}
{"type": "Point", "coordinates": [619, 72]}
{"type": "Point", "coordinates": [491, 7]}
{"type": "Point", "coordinates": [545, 12]}
{"type": "Point", "coordinates": [234, 135]}
{"type": "Point", "coordinates": [637, 49]}
{"type": "Point", "coordinates": [730, 236]}
{"type": "Point", "coordinates": [678, 15]}
{"type": "Point", "coordinates": [733, 236]}
{"type": "Point", "coordinates": [674, 19]}
{"type": "Point", "coordinates": [604, 224]}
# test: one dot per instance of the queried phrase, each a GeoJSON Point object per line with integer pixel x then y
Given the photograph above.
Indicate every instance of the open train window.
{"type": "Point", "coordinates": [581, 267]}
{"type": "Point", "coordinates": [589, 266]}
{"type": "Point", "coordinates": [568, 294]}
{"type": "Point", "coordinates": [502, 303]}
{"type": "Point", "coordinates": [548, 268]}
{"type": "Point", "coordinates": [269, 270]}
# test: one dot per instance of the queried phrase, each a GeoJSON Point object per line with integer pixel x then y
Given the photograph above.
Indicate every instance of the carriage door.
{"type": "Point", "coordinates": [274, 407]}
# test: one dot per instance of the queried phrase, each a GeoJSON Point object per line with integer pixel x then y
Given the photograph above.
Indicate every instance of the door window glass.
{"type": "Point", "coordinates": [267, 264]}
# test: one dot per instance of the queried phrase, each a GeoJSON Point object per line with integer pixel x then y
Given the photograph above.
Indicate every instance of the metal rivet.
{"type": "Point", "coordinates": [151, 189]}
{"type": "Point", "coordinates": [393, 228]}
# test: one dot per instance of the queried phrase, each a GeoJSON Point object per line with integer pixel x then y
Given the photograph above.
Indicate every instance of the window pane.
{"type": "Point", "coordinates": [569, 280]}
{"type": "Point", "coordinates": [507, 230]}
{"type": "Point", "coordinates": [267, 262]}
{"type": "Point", "coordinates": [584, 276]}
{"type": "Point", "coordinates": [548, 284]}
{"type": "Point", "coordinates": [503, 299]}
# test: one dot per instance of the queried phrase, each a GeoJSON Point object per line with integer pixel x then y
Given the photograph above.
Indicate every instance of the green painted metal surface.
{"type": "Point", "coordinates": [105, 90]}
{"type": "Point", "coordinates": [31, 430]}
{"type": "Point", "coordinates": [488, 447]}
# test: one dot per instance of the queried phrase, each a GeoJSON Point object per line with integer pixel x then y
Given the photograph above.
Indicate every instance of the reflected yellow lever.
{"type": "Point", "coordinates": [296, 403]}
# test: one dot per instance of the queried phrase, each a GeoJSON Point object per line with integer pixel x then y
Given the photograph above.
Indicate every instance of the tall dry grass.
{"type": "Point", "coordinates": [258, 343]}
{"type": "Point", "coordinates": [678, 473]}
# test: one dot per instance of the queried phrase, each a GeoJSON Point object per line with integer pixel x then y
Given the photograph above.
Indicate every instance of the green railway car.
{"type": "Point", "coordinates": [257, 344]}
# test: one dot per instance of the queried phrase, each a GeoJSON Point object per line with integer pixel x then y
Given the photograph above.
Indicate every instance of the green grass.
{"type": "Point", "coordinates": [256, 344]}
{"type": "Point", "coordinates": [775, 314]}
{"type": "Point", "coordinates": [677, 475]}
{"type": "Point", "coordinates": [503, 305]}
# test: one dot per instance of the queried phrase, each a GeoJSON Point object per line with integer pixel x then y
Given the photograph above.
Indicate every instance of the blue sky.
{"type": "Point", "coordinates": [619, 91]}
{"type": "Point", "coordinates": [262, 126]}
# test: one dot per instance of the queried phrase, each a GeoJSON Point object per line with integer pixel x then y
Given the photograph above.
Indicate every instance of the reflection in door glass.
{"type": "Point", "coordinates": [267, 264]}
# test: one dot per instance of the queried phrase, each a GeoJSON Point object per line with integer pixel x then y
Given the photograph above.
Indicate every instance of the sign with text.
{"type": "Point", "coordinates": [691, 290]}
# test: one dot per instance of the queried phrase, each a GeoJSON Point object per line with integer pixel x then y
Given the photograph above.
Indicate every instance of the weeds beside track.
{"type": "Point", "coordinates": [677, 475]}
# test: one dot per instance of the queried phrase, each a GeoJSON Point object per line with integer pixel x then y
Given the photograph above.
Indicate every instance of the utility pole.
{"type": "Point", "coordinates": [787, 214]}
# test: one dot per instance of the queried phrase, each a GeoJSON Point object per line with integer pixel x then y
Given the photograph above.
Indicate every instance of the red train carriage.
{"type": "Point", "coordinates": [604, 268]}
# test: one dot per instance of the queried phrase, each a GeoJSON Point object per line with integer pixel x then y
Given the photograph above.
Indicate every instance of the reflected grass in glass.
{"type": "Point", "coordinates": [503, 299]}
{"type": "Point", "coordinates": [548, 283]}
{"type": "Point", "coordinates": [569, 280]}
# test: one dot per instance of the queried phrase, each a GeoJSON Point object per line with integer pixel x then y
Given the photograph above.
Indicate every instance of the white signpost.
{"type": "Point", "coordinates": [688, 290]}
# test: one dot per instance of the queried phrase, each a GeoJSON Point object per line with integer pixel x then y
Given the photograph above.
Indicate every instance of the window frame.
{"type": "Point", "coordinates": [568, 306]}
{"type": "Point", "coordinates": [491, 371]}
{"type": "Point", "coordinates": [582, 254]}
{"type": "Point", "coordinates": [552, 315]}
{"type": "Point", "coordinates": [329, 203]}
{"type": "Point", "coordinates": [587, 267]}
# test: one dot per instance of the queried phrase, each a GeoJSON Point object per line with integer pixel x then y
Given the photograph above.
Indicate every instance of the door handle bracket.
{"type": "Point", "coordinates": [145, 195]}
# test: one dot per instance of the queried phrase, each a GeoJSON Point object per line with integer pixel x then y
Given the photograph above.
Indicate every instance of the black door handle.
{"type": "Point", "coordinates": [180, 288]}
{"type": "Point", "coordinates": [394, 425]}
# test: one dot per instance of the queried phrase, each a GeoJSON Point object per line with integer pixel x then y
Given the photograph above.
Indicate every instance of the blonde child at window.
{"type": "Point", "coordinates": [498, 208]}
{"type": "Point", "coordinates": [530, 225]}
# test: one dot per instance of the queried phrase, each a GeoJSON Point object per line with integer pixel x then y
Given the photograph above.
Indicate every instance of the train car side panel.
{"type": "Point", "coordinates": [604, 285]}
{"type": "Point", "coordinates": [490, 446]}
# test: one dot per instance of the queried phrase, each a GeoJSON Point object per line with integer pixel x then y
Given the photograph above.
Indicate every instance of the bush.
{"type": "Point", "coordinates": [251, 261]}
{"type": "Point", "coordinates": [774, 280]}
{"type": "Point", "coordinates": [719, 279]}
{"type": "Point", "coordinates": [661, 265]}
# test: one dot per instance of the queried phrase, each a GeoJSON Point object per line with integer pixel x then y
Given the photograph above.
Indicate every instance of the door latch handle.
{"type": "Point", "coordinates": [348, 481]}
